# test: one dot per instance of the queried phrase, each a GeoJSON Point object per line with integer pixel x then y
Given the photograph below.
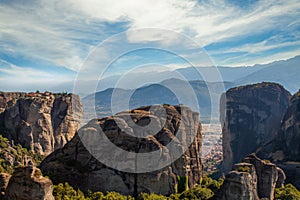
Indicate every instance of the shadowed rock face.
{"type": "Point", "coordinates": [29, 184]}
{"type": "Point", "coordinates": [286, 147]}
{"type": "Point", "coordinates": [253, 179]}
{"type": "Point", "coordinates": [4, 179]}
{"type": "Point", "coordinates": [251, 117]}
{"type": "Point", "coordinates": [239, 185]}
{"type": "Point", "coordinates": [290, 130]}
{"type": "Point", "coordinates": [267, 176]}
{"type": "Point", "coordinates": [74, 163]}
{"type": "Point", "coordinates": [40, 122]}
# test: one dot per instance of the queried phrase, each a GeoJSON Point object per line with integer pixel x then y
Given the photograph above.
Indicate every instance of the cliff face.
{"type": "Point", "coordinates": [286, 147]}
{"type": "Point", "coordinates": [290, 130]}
{"type": "Point", "coordinates": [12, 156]}
{"type": "Point", "coordinates": [251, 117]}
{"type": "Point", "coordinates": [7, 99]}
{"type": "Point", "coordinates": [74, 160]}
{"type": "Point", "coordinates": [4, 179]}
{"type": "Point", "coordinates": [40, 122]}
{"type": "Point", "coordinates": [253, 179]}
{"type": "Point", "coordinates": [29, 184]}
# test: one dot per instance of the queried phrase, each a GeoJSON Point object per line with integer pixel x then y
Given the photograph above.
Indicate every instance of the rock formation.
{"type": "Point", "coordinates": [29, 184]}
{"type": "Point", "coordinates": [239, 185]}
{"type": "Point", "coordinates": [8, 99]}
{"type": "Point", "coordinates": [179, 126]}
{"type": "Point", "coordinates": [267, 176]}
{"type": "Point", "coordinates": [289, 135]}
{"type": "Point", "coordinates": [4, 179]}
{"type": "Point", "coordinates": [41, 122]}
{"type": "Point", "coordinates": [12, 156]}
{"type": "Point", "coordinates": [286, 147]}
{"type": "Point", "coordinates": [253, 179]}
{"type": "Point", "coordinates": [292, 171]}
{"type": "Point", "coordinates": [251, 117]}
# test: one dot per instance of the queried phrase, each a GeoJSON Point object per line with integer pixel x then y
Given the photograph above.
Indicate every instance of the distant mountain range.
{"type": "Point", "coordinates": [208, 93]}
{"type": "Point", "coordinates": [284, 72]}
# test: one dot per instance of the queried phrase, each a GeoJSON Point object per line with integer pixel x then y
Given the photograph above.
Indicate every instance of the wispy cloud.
{"type": "Point", "coordinates": [63, 32]}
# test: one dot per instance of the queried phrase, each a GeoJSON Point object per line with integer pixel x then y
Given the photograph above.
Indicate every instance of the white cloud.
{"type": "Point", "coordinates": [12, 75]}
{"type": "Point", "coordinates": [57, 31]}
{"type": "Point", "coordinates": [205, 22]}
{"type": "Point", "coordinates": [265, 59]}
{"type": "Point", "coordinates": [265, 45]}
{"type": "Point", "coordinates": [40, 34]}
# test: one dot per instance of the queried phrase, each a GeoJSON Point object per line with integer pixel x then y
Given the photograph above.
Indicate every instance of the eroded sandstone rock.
{"type": "Point", "coordinates": [4, 179]}
{"type": "Point", "coordinates": [286, 147]}
{"type": "Point", "coordinates": [253, 179]}
{"type": "Point", "coordinates": [75, 164]}
{"type": "Point", "coordinates": [267, 176]}
{"type": "Point", "coordinates": [41, 122]}
{"type": "Point", "coordinates": [7, 99]}
{"type": "Point", "coordinates": [251, 117]}
{"type": "Point", "coordinates": [289, 135]}
{"type": "Point", "coordinates": [29, 184]}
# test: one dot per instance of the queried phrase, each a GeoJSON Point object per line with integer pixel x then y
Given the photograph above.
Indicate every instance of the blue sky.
{"type": "Point", "coordinates": [48, 42]}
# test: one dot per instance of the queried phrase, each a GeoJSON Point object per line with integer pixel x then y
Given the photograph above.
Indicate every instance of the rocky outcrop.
{"type": "Point", "coordinates": [251, 117]}
{"type": "Point", "coordinates": [289, 135]}
{"type": "Point", "coordinates": [267, 176]}
{"type": "Point", "coordinates": [285, 148]}
{"type": "Point", "coordinates": [4, 179]}
{"type": "Point", "coordinates": [12, 156]}
{"type": "Point", "coordinates": [180, 125]}
{"type": "Point", "coordinates": [292, 172]}
{"type": "Point", "coordinates": [253, 179]}
{"type": "Point", "coordinates": [239, 185]}
{"type": "Point", "coordinates": [8, 99]}
{"type": "Point", "coordinates": [29, 184]}
{"type": "Point", "coordinates": [41, 122]}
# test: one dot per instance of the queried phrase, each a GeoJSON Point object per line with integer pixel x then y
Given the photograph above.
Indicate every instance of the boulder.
{"type": "Point", "coordinates": [237, 186]}
{"type": "Point", "coordinates": [29, 184]}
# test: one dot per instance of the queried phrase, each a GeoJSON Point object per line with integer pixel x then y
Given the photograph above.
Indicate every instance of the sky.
{"type": "Point", "coordinates": [46, 43]}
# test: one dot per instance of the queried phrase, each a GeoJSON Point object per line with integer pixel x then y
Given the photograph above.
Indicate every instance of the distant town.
{"type": "Point", "coordinates": [212, 147]}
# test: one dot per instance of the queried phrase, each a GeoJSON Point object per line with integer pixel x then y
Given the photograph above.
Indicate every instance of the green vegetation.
{"type": "Point", "coordinates": [16, 153]}
{"type": "Point", "coordinates": [267, 161]}
{"type": "Point", "coordinates": [197, 193]}
{"type": "Point", "coordinates": [288, 192]}
{"type": "Point", "coordinates": [145, 196]}
{"type": "Point", "coordinates": [183, 184]}
{"type": "Point", "coordinates": [243, 169]}
{"type": "Point", "coordinates": [205, 190]}
{"type": "Point", "coordinates": [67, 192]}
{"type": "Point", "coordinates": [213, 185]}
